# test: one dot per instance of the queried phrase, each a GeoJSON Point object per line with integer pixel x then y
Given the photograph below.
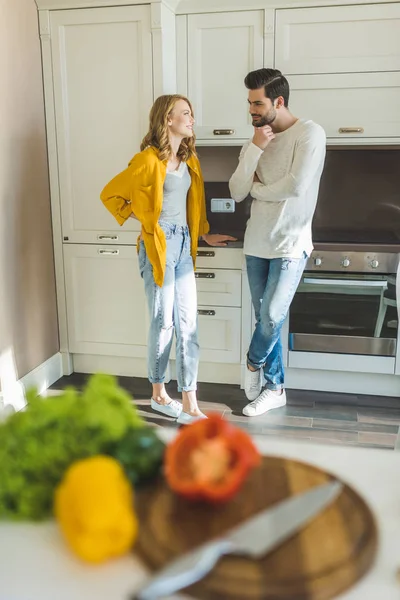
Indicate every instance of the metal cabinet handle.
{"type": "Point", "coordinates": [223, 131]}
{"type": "Point", "coordinates": [103, 251]}
{"type": "Point", "coordinates": [113, 238]}
{"type": "Point", "coordinates": [351, 129]}
{"type": "Point", "coordinates": [206, 313]}
{"type": "Point", "coordinates": [204, 275]}
{"type": "Point", "coordinates": [208, 253]}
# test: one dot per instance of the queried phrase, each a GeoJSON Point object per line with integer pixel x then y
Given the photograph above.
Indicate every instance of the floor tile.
{"type": "Point", "coordinates": [354, 426]}
{"type": "Point", "coordinates": [377, 439]}
{"type": "Point", "coordinates": [388, 416]}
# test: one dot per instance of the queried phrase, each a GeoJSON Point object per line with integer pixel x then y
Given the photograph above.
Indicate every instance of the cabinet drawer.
{"type": "Point", "coordinates": [219, 287]}
{"type": "Point", "coordinates": [342, 39]}
{"type": "Point", "coordinates": [219, 331]}
{"type": "Point", "coordinates": [347, 106]}
{"type": "Point", "coordinates": [219, 258]}
{"type": "Point", "coordinates": [219, 334]}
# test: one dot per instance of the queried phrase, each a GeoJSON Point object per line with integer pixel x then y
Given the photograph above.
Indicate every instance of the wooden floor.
{"type": "Point", "coordinates": [345, 419]}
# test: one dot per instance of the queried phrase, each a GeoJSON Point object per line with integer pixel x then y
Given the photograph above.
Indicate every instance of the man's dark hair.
{"type": "Point", "coordinates": [274, 83]}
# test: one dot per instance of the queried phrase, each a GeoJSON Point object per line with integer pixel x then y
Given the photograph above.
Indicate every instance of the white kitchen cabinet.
{"type": "Point", "coordinates": [349, 106]}
{"type": "Point", "coordinates": [338, 39]}
{"type": "Point", "coordinates": [219, 287]}
{"type": "Point", "coordinates": [106, 305]}
{"type": "Point", "coordinates": [219, 334]}
{"type": "Point", "coordinates": [103, 90]}
{"type": "Point", "coordinates": [221, 49]}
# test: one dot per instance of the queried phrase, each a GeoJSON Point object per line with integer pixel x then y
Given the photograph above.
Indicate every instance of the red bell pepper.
{"type": "Point", "coordinates": [210, 460]}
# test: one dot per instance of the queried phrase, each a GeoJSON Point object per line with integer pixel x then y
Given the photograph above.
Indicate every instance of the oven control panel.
{"type": "Point", "coordinates": [353, 262]}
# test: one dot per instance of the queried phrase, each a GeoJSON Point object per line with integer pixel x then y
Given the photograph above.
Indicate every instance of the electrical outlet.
{"type": "Point", "coordinates": [222, 205]}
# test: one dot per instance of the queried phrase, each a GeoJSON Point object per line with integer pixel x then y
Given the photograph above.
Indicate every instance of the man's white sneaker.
{"type": "Point", "coordinates": [252, 383]}
{"type": "Point", "coordinates": [267, 400]}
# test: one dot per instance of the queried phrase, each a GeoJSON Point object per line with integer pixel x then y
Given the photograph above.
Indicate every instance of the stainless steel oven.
{"type": "Point", "coordinates": [346, 303]}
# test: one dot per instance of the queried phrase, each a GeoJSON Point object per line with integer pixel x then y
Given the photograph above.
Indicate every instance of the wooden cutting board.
{"type": "Point", "coordinates": [328, 556]}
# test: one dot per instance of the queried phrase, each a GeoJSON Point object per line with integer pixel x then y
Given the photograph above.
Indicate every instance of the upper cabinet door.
{"type": "Point", "coordinates": [102, 77]}
{"type": "Point", "coordinates": [222, 49]}
{"type": "Point", "coordinates": [342, 105]}
{"type": "Point", "coordinates": [342, 39]}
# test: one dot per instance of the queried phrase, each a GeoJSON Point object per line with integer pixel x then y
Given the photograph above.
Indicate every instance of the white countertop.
{"type": "Point", "coordinates": [35, 564]}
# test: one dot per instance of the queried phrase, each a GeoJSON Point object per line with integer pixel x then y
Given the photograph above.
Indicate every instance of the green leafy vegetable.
{"type": "Point", "coordinates": [38, 444]}
{"type": "Point", "coordinates": [141, 454]}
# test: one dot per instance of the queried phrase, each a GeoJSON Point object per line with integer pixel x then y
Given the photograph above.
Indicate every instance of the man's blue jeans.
{"type": "Point", "coordinates": [273, 283]}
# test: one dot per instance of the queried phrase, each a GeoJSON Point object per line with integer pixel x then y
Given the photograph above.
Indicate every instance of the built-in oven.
{"type": "Point", "coordinates": [346, 303]}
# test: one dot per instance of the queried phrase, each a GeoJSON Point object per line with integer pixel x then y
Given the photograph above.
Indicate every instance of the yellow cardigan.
{"type": "Point", "coordinates": [139, 189]}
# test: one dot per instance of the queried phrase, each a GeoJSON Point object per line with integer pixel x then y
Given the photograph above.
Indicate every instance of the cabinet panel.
{"type": "Point", "coordinates": [341, 39]}
{"type": "Point", "coordinates": [219, 334]}
{"type": "Point", "coordinates": [106, 305]}
{"type": "Point", "coordinates": [219, 258]}
{"type": "Point", "coordinates": [219, 287]}
{"type": "Point", "coordinates": [102, 77]}
{"type": "Point", "coordinates": [349, 107]}
{"type": "Point", "coordinates": [222, 49]}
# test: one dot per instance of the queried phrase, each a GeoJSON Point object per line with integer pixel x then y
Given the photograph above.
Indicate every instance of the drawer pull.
{"type": "Point", "coordinates": [103, 251]}
{"type": "Point", "coordinates": [206, 313]}
{"type": "Point", "coordinates": [223, 131]}
{"type": "Point", "coordinates": [208, 253]}
{"type": "Point", "coordinates": [112, 238]}
{"type": "Point", "coordinates": [351, 129]}
{"type": "Point", "coordinates": [204, 275]}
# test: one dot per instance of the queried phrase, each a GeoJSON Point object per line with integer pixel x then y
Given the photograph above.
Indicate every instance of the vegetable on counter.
{"type": "Point", "coordinates": [210, 460]}
{"type": "Point", "coordinates": [94, 508]}
{"type": "Point", "coordinates": [38, 444]}
{"type": "Point", "coordinates": [141, 453]}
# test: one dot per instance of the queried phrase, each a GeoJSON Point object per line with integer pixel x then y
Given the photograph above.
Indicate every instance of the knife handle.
{"type": "Point", "coordinates": [185, 570]}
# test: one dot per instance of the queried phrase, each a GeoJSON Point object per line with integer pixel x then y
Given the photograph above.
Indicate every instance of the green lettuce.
{"type": "Point", "coordinates": [38, 444]}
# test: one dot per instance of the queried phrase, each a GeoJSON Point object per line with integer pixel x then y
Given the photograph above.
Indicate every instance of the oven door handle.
{"type": "Point", "coordinates": [347, 282]}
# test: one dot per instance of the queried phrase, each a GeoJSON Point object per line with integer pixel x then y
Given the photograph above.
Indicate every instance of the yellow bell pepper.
{"type": "Point", "coordinates": [94, 508]}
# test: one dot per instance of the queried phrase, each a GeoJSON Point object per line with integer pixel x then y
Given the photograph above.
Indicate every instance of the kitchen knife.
{"type": "Point", "coordinates": [254, 537]}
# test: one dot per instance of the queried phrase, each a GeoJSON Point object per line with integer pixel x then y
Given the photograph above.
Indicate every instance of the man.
{"type": "Point", "coordinates": [281, 168]}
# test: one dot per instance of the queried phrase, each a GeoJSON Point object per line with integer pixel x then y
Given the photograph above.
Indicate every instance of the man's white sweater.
{"type": "Point", "coordinates": [284, 202]}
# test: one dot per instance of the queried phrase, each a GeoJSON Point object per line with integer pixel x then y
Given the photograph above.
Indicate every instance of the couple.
{"type": "Point", "coordinates": [280, 167]}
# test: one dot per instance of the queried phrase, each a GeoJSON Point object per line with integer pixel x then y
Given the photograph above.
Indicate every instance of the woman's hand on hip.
{"type": "Point", "coordinates": [217, 239]}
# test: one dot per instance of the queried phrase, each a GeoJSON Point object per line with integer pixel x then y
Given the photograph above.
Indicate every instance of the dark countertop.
{"type": "Point", "coordinates": [324, 247]}
{"type": "Point", "coordinates": [238, 244]}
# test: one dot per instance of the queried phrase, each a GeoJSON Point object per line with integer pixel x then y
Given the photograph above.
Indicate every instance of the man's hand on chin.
{"type": "Point", "coordinates": [263, 136]}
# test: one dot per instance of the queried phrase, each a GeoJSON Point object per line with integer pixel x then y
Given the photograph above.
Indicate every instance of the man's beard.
{"type": "Point", "coordinates": [266, 119]}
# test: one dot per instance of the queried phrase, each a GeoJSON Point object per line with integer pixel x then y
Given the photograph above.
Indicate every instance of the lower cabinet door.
{"type": "Point", "coordinates": [106, 305]}
{"type": "Point", "coordinates": [219, 334]}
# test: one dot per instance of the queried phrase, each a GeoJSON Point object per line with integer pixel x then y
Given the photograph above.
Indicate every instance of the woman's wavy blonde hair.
{"type": "Point", "coordinates": [157, 135]}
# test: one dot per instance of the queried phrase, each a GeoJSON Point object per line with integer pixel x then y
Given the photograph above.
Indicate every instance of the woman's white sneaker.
{"type": "Point", "coordinates": [267, 400]}
{"type": "Point", "coordinates": [172, 409]}
{"type": "Point", "coordinates": [186, 419]}
{"type": "Point", "coordinates": [252, 383]}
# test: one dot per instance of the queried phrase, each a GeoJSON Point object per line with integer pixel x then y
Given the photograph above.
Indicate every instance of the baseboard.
{"type": "Point", "coordinates": [137, 367]}
{"type": "Point", "coordinates": [42, 377]}
{"type": "Point", "coordinates": [114, 365]}
{"type": "Point", "coordinates": [343, 382]}
{"type": "Point", "coordinates": [370, 384]}
{"type": "Point", "coordinates": [45, 374]}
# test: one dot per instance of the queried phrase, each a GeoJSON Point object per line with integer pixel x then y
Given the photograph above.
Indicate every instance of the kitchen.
{"type": "Point", "coordinates": [352, 91]}
{"type": "Point", "coordinates": [342, 334]}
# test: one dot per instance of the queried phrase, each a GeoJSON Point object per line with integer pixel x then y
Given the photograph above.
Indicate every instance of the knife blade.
{"type": "Point", "coordinates": [254, 537]}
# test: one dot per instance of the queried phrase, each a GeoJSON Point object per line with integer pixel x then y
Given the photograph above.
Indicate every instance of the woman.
{"type": "Point", "coordinates": [163, 188]}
